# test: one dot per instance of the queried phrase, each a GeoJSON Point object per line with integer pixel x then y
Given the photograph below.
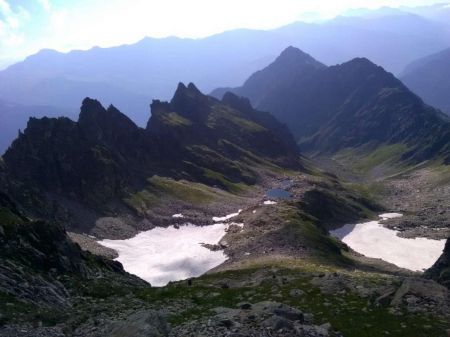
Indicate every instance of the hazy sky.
{"type": "Point", "coordinates": [27, 26]}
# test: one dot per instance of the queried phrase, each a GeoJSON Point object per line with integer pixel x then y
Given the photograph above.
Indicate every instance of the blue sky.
{"type": "Point", "coordinates": [26, 26]}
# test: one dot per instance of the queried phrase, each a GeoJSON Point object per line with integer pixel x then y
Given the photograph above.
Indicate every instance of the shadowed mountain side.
{"type": "Point", "coordinates": [86, 168]}
{"type": "Point", "coordinates": [353, 105]}
{"type": "Point", "coordinates": [40, 265]}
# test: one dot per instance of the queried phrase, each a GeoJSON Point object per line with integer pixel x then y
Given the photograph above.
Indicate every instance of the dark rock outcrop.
{"type": "Point", "coordinates": [35, 256]}
{"type": "Point", "coordinates": [440, 271]}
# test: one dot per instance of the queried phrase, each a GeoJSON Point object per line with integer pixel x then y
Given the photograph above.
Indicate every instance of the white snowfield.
{"type": "Point", "coordinates": [226, 217]}
{"type": "Point", "coordinates": [374, 240]}
{"type": "Point", "coordinates": [269, 202]}
{"type": "Point", "coordinates": [169, 254]}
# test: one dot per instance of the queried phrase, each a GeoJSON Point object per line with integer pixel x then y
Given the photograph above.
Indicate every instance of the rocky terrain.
{"type": "Point", "coordinates": [104, 177]}
{"type": "Point", "coordinates": [261, 300]}
{"type": "Point", "coordinates": [285, 277]}
{"type": "Point", "coordinates": [420, 193]}
{"type": "Point", "coordinates": [424, 196]}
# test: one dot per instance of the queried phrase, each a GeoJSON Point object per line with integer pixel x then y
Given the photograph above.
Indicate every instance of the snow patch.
{"type": "Point", "coordinates": [169, 254]}
{"type": "Point", "coordinates": [178, 215]}
{"type": "Point", "coordinates": [270, 202]}
{"type": "Point", "coordinates": [374, 240]}
{"type": "Point", "coordinates": [386, 216]}
{"type": "Point", "coordinates": [226, 217]}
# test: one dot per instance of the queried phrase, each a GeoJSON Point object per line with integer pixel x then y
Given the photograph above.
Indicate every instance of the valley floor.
{"type": "Point", "coordinates": [285, 276]}
{"type": "Point", "coordinates": [421, 194]}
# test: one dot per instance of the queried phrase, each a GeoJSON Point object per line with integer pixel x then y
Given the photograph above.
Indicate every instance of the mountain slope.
{"type": "Point", "coordinates": [429, 78]}
{"type": "Point", "coordinates": [351, 105]}
{"type": "Point", "coordinates": [81, 170]}
{"type": "Point", "coordinates": [40, 267]}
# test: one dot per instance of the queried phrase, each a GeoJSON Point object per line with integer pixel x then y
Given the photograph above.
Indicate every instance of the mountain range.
{"type": "Point", "coordinates": [353, 105]}
{"type": "Point", "coordinates": [129, 76]}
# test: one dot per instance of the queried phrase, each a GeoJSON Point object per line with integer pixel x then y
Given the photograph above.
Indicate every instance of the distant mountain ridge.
{"type": "Point", "coordinates": [130, 76]}
{"type": "Point", "coordinates": [429, 77]}
{"type": "Point", "coordinates": [350, 105]}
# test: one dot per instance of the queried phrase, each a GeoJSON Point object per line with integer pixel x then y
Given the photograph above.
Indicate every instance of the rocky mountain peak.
{"type": "Point", "coordinates": [293, 55]}
{"type": "Point", "coordinates": [191, 87]}
{"type": "Point", "coordinates": [190, 90]}
{"type": "Point", "coordinates": [90, 106]}
{"type": "Point", "coordinates": [97, 123]}
{"type": "Point", "coordinates": [189, 102]}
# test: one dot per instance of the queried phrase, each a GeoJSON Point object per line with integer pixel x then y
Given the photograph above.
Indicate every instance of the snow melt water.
{"type": "Point", "coordinates": [372, 239]}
